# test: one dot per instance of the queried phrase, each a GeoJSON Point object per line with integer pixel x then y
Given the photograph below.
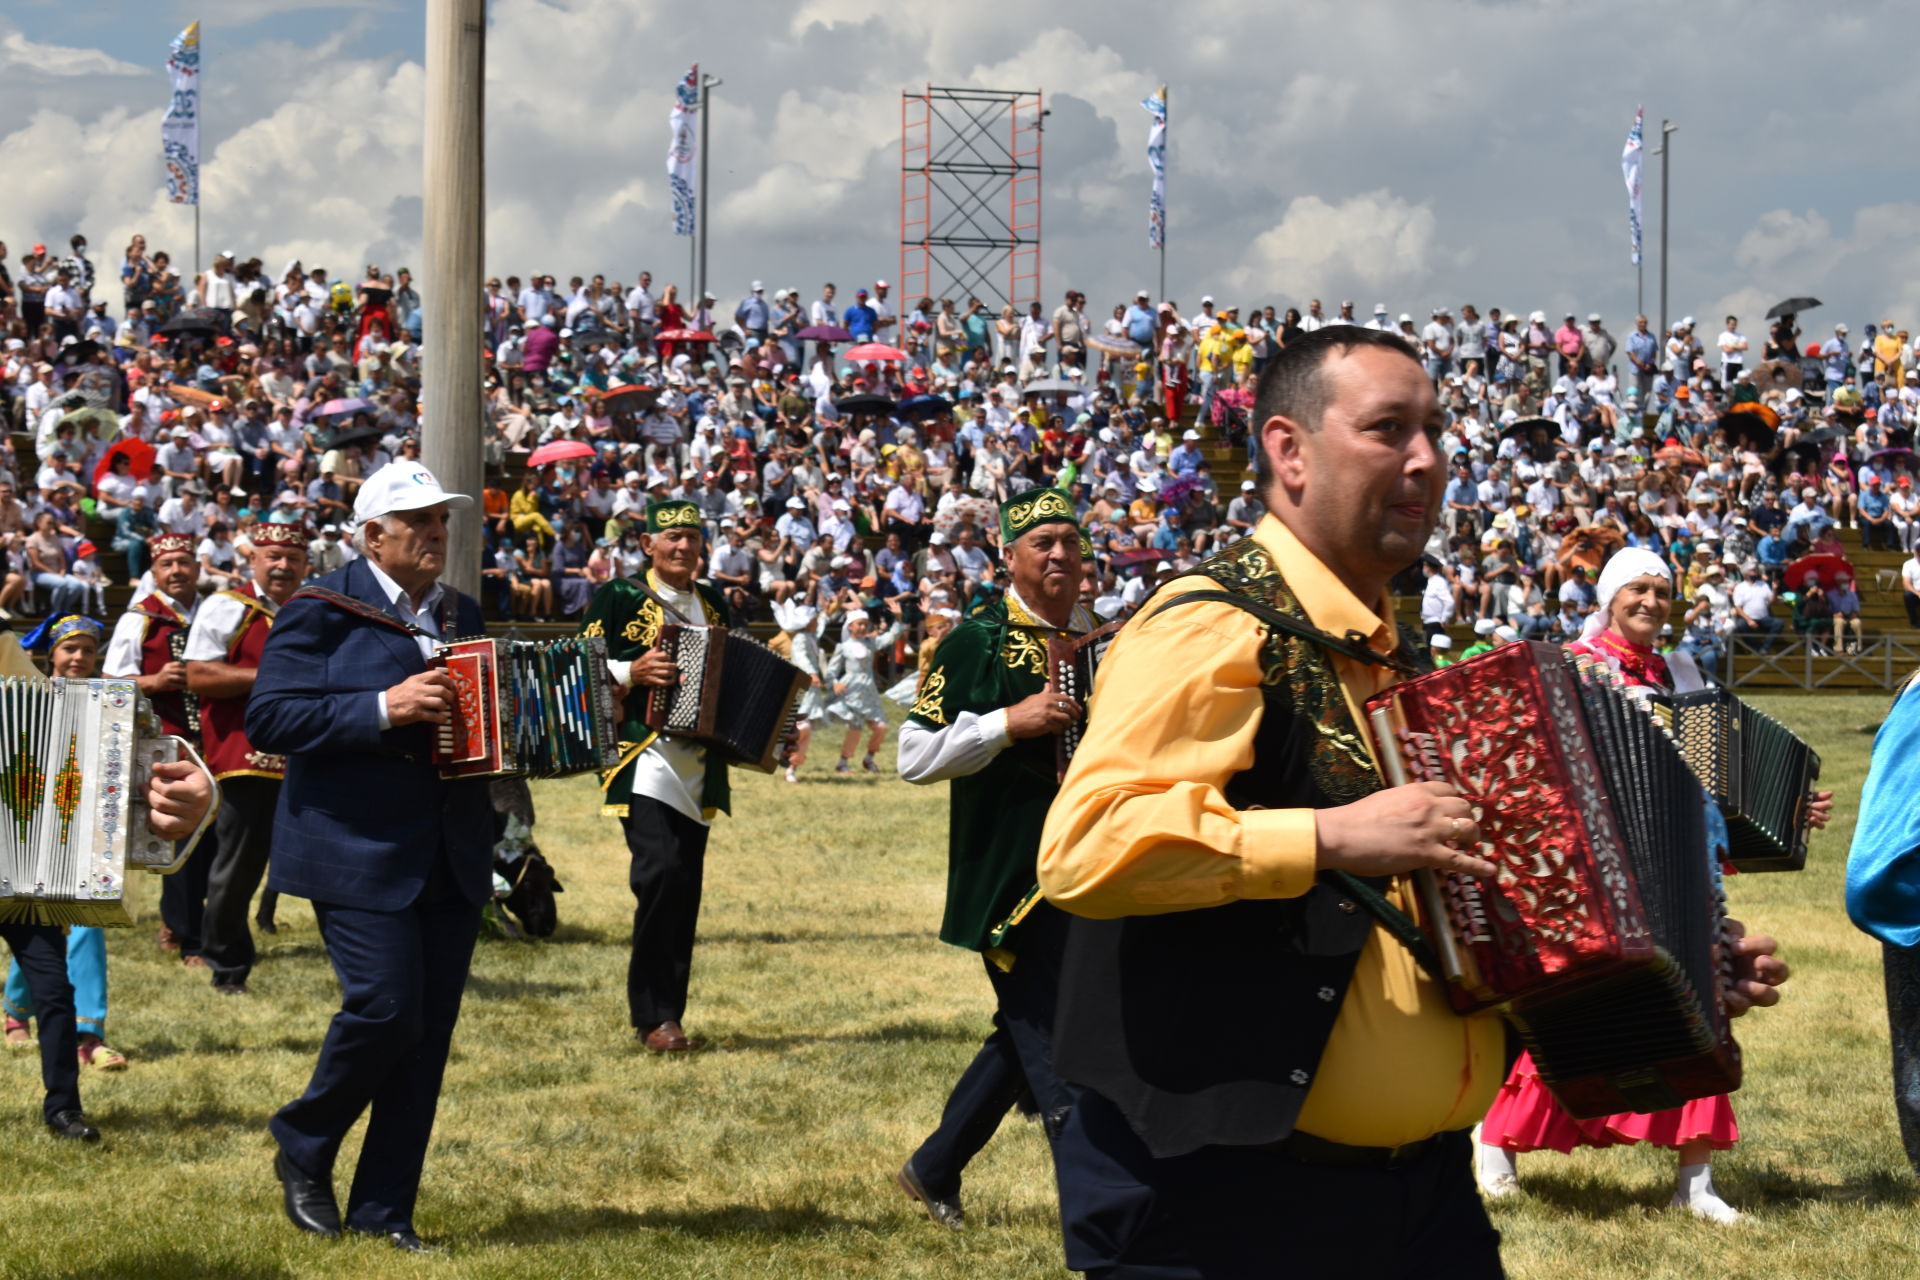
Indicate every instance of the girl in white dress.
{"type": "Point", "coordinates": [856, 693]}
{"type": "Point", "coordinates": [803, 651]}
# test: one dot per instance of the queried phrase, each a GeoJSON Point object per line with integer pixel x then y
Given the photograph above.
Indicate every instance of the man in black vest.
{"type": "Point", "coordinates": [1224, 783]}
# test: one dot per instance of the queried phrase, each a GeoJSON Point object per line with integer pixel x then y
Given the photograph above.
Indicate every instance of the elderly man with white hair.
{"type": "Point", "coordinates": [395, 858]}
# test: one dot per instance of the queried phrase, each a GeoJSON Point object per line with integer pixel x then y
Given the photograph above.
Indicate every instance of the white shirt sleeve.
{"type": "Point", "coordinates": [966, 746]}
{"type": "Point", "coordinates": [213, 629]}
{"type": "Point", "coordinates": [123, 648]}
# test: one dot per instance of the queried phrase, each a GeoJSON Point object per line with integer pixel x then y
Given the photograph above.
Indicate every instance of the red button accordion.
{"type": "Point", "coordinates": [526, 709]}
{"type": "Point", "coordinates": [1603, 933]}
{"type": "Point", "coordinates": [735, 695]}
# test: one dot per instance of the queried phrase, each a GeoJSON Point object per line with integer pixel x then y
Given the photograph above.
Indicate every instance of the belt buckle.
{"type": "Point", "coordinates": [1406, 1153]}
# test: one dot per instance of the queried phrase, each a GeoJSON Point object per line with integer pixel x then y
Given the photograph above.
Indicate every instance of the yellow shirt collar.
{"type": "Point", "coordinates": [1328, 603]}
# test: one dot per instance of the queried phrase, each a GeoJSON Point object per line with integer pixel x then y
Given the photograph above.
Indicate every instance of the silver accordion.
{"type": "Point", "coordinates": [75, 760]}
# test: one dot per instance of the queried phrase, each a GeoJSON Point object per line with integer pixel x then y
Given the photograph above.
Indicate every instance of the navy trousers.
{"type": "Point", "coordinates": [41, 950]}
{"type": "Point", "coordinates": [401, 977]}
{"type": "Point", "coordinates": [1015, 1061]}
{"type": "Point", "coordinates": [1256, 1213]}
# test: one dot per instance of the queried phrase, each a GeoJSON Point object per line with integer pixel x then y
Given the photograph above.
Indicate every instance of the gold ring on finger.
{"type": "Point", "coordinates": [1453, 833]}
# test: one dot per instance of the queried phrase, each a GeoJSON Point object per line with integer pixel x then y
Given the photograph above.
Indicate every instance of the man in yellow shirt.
{"type": "Point", "coordinates": [1269, 1081]}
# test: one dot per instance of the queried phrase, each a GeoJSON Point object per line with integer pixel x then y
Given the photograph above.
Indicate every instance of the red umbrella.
{"type": "Point", "coordinates": [1681, 454]}
{"type": "Point", "coordinates": [558, 451]}
{"type": "Point", "coordinates": [1828, 567]}
{"type": "Point", "coordinates": [138, 452]}
{"type": "Point", "coordinates": [683, 335]}
{"type": "Point", "coordinates": [630, 395]}
{"type": "Point", "coordinates": [874, 351]}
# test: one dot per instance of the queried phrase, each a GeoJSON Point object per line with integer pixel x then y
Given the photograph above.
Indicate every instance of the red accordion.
{"type": "Point", "coordinates": [1603, 932]}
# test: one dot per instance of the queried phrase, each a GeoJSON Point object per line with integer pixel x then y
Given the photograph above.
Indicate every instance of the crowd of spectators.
{"type": "Point", "coordinates": [849, 453]}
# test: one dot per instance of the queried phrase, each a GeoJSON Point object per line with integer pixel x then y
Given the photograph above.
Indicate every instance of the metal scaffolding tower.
{"type": "Point", "coordinates": [970, 195]}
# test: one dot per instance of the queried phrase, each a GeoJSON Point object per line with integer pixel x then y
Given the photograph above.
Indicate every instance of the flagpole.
{"type": "Point", "coordinates": [707, 83]}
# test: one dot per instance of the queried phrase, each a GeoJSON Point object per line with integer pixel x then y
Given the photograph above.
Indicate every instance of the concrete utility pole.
{"type": "Point", "coordinates": [453, 200]}
{"type": "Point", "coordinates": [1664, 151]}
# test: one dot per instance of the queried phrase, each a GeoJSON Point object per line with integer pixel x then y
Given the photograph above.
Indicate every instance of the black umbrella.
{"type": "Point", "coordinates": [353, 435]}
{"type": "Point", "coordinates": [85, 351]}
{"type": "Point", "coordinates": [1792, 307]}
{"type": "Point", "coordinates": [1823, 435]}
{"type": "Point", "coordinates": [189, 322]}
{"type": "Point", "coordinates": [924, 406]}
{"type": "Point", "coordinates": [864, 402]}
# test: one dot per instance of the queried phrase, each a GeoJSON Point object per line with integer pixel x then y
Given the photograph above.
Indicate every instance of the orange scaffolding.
{"type": "Point", "coordinates": [970, 195]}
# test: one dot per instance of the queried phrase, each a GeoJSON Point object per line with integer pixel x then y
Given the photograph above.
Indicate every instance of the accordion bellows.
{"type": "Point", "coordinates": [735, 695]}
{"type": "Point", "coordinates": [536, 710]}
{"type": "Point", "coordinates": [75, 759]}
{"type": "Point", "coordinates": [1603, 933]}
{"type": "Point", "coordinates": [1759, 771]}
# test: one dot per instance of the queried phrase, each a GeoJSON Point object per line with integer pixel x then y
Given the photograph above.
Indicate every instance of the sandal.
{"type": "Point", "coordinates": [95, 1053]}
{"type": "Point", "coordinates": [18, 1035]}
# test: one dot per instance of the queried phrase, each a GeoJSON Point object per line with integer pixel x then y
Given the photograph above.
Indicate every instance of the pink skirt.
{"type": "Point", "coordinates": [1526, 1117]}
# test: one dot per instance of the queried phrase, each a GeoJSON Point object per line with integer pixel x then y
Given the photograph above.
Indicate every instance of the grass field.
{"type": "Point", "coordinates": [836, 1024]}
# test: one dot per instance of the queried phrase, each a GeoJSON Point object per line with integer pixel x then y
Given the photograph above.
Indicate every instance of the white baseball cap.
{"type": "Point", "coordinates": [402, 486]}
{"type": "Point", "coordinates": [1190, 434]}
{"type": "Point", "coordinates": [757, 286]}
{"type": "Point", "coordinates": [1246, 486]}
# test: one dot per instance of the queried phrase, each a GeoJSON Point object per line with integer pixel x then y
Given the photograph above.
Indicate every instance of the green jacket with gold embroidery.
{"type": "Point", "coordinates": [991, 661]}
{"type": "Point", "coordinates": [630, 622]}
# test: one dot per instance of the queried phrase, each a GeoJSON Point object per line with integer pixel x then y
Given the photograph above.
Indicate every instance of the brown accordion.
{"type": "Point", "coordinates": [1603, 933]}
{"type": "Point", "coordinates": [1071, 664]}
{"type": "Point", "coordinates": [734, 694]}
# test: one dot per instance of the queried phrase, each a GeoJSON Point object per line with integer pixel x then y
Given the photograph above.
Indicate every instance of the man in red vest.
{"type": "Point", "coordinates": [223, 656]}
{"type": "Point", "coordinates": [148, 647]}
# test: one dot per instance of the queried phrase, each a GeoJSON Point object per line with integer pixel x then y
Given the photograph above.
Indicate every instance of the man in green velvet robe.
{"type": "Point", "coordinates": [665, 790]}
{"type": "Point", "coordinates": [986, 721]}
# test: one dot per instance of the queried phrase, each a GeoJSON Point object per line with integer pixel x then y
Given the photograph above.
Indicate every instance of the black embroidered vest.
{"type": "Point", "coordinates": [1206, 1027]}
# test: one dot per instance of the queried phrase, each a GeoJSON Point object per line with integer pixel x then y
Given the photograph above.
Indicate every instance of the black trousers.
{"type": "Point", "coordinates": [243, 837]}
{"type": "Point", "coordinates": [1016, 1061]}
{"type": "Point", "coordinates": [183, 900]}
{"type": "Point", "coordinates": [41, 950]}
{"type": "Point", "coordinates": [401, 977]}
{"type": "Point", "coordinates": [669, 862]}
{"type": "Point", "coordinates": [1903, 1020]}
{"type": "Point", "coordinates": [1257, 1213]}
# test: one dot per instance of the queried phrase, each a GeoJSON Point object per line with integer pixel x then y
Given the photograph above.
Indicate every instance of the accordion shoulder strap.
{"type": "Point", "coordinates": [340, 600]}
{"type": "Point", "coordinates": [1353, 645]}
{"type": "Point", "coordinates": [646, 589]}
{"type": "Point", "coordinates": [1394, 921]}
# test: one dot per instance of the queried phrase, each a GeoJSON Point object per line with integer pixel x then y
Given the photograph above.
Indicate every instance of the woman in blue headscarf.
{"type": "Point", "coordinates": [72, 645]}
{"type": "Point", "coordinates": [1883, 893]}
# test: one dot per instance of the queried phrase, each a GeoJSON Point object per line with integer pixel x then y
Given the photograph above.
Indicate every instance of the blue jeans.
{"type": "Point", "coordinates": [65, 593]}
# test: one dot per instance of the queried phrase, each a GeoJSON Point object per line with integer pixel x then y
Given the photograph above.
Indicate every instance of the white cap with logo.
{"type": "Point", "coordinates": [402, 486]}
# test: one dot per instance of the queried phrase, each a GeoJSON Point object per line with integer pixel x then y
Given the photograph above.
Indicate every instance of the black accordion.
{"type": "Point", "coordinates": [1758, 770]}
{"type": "Point", "coordinates": [1603, 933]}
{"type": "Point", "coordinates": [1072, 662]}
{"type": "Point", "coordinates": [734, 694]}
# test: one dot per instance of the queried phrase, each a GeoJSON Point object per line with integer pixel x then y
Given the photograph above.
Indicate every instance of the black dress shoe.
{"type": "Point", "coordinates": [310, 1204]}
{"type": "Point", "coordinates": [72, 1124]}
{"type": "Point", "coordinates": [944, 1210]}
{"type": "Point", "coordinates": [403, 1240]}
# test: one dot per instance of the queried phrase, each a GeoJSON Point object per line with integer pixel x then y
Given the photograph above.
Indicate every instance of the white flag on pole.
{"type": "Point", "coordinates": [180, 128]}
{"type": "Point", "coordinates": [1630, 168]}
{"type": "Point", "coordinates": [683, 132]}
{"type": "Point", "coordinates": [1157, 158]}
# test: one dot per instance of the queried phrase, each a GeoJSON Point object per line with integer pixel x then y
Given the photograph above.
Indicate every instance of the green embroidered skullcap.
{"type": "Point", "coordinates": [1033, 508]}
{"type": "Point", "coordinates": [673, 513]}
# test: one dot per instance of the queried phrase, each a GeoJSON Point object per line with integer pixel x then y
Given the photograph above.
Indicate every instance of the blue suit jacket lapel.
{"type": "Point", "coordinates": [362, 585]}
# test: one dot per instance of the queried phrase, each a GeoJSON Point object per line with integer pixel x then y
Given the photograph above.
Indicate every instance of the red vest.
{"type": "Point", "coordinates": [165, 629]}
{"type": "Point", "coordinates": [223, 720]}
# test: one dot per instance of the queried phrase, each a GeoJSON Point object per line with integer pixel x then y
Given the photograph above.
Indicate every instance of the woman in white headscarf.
{"type": "Point", "coordinates": [1635, 599]}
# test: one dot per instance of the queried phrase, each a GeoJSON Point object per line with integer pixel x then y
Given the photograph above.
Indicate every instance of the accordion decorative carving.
{"type": "Point", "coordinates": [75, 760]}
{"type": "Point", "coordinates": [1603, 932]}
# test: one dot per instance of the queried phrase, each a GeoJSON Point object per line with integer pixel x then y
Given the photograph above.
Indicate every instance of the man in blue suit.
{"type": "Point", "coordinates": [394, 858]}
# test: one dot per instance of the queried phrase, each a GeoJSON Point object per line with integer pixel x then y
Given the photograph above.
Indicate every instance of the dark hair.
{"type": "Point", "coordinates": [1291, 386]}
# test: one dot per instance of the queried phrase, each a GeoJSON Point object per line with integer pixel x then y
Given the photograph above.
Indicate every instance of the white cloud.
{"type": "Point", "coordinates": [1376, 240]}
{"type": "Point", "coordinates": [19, 54]}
